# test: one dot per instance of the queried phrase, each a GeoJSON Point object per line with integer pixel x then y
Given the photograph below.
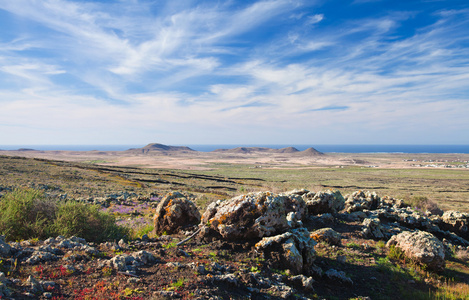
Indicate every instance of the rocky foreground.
{"type": "Point", "coordinates": [295, 245]}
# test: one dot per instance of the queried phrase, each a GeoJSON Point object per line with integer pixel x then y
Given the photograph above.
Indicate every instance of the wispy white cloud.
{"type": "Point", "coordinates": [103, 66]}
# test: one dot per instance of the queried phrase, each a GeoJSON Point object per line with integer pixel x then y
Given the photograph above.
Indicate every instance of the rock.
{"type": "Point", "coordinates": [291, 250]}
{"type": "Point", "coordinates": [174, 212]}
{"type": "Point", "coordinates": [360, 200]}
{"type": "Point", "coordinates": [373, 229]}
{"type": "Point", "coordinates": [166, 295]}
{"type": "Point", "coordinates": [335, 275]}
{"type": "Point", "coordinates": [320, 221]}
{"type": "Point", "coordinates": [120, 262]}
{"type": "Point", "coordinates": [356, 216]}
{"type": "Point", "coordinates": [34, 285]}
{"type": "Point", "coordinates": [456, 222]}
{"type": "Point", "coordinates": [144, 258]}
{"type": "Point", "coordinates": [327, 235]}
{"type": "Point", "coordinates": [5, 249]}
{"type": "Point", "coordinates": [303, 281]}
{"type": "Point", "coordinates": [253, 216]}
{"type": "Point", "coordinates": [422, 247]}
{"type": "Point", "coordinates": [4, 290]}
{"type": "Point", "coordinates": [324, 202]}
{"type": "Point", "coordinates": [41, 256]}
{"type": "Point", "coordinates": [227, 278]}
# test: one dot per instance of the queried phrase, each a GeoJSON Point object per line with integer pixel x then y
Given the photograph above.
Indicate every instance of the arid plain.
{"type": "Point", "coordinates": [443, 178]}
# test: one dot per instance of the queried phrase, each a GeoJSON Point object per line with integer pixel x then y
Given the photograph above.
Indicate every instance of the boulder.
{"type": "Point", "coordinates": [456, 222]}
{"type": "Point", "coordinates": [253, 216]}
{"type": "Point", "coordinates": [327, 235]}
{"type": "Point", "coordinates": [422, 247]}
{"type": "Point", "coordinates": [175, 212]}
{"type": "Point", "coordinates": [373, 229]}
{"type": "Point", "coordinates": [361, 200]}
{"type": "Point", "coordinates": [324, 202]}
{"type": "Point", "coordinates": [292, 250]}
{"type": "Point", "coordinates": [339, 276]}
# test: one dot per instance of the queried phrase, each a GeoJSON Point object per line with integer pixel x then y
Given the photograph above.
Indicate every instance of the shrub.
{"type": "Point", "coordinates": [25, 214]}
{"type": "Point", "coordinates": [424, 204]}
{"type": "Point", "coordinates": [396, 253]}
{"type": "Point", "coordinates": [88, 222]}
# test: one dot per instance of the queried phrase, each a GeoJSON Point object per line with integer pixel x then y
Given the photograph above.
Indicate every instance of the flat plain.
{"type": "Point", "coordinates": [442, 178]}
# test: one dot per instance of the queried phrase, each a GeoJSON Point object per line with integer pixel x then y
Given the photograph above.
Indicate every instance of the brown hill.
{"type": "Point", "coordinates": [155, 147]}
{"type": "Point", "coordinates": [287, 150]}
{"type": "Point", "coordinates": [310, 152]}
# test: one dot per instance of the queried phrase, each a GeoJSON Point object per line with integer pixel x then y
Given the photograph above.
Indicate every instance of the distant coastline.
{"type": "Point", "coordinates": [209, 148]}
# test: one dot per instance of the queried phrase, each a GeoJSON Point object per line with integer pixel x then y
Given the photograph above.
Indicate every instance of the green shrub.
{"type": "Point", "coordinates": [25, 214]}
{"type": "Point", "coordinates": [88, 222]}
{"type": "Point", "coordinates": [423, 203]}
{"type": "Point", "coordinates": [396, 253]}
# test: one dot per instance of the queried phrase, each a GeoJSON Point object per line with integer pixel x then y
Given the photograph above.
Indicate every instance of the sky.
{"type": "Point", "coordinates": [185, 72]}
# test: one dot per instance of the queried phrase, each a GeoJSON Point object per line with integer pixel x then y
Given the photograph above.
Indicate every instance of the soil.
{"type": "Point", "coordinates": [173, 275]}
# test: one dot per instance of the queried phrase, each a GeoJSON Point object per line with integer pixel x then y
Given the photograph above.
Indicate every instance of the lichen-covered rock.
{"type": "Point", "coordinates": [456, 222]}
{"type": "Point", "coordinates": [324, 202]}
{"type": "Point", "coordinates": [327, 235]}
{"type": "Point", "coordinates": [292, 250]}
{"type": "Point", "coordinates": [340, 276]}
{"type": "Point", "coordinates": [373, 229]}
{"type": "Point", "coordinates": [129, 263]}
{"type": "Point", "coordinates": [361, 200]}
{"type": "Point", "coordinates": [422, 247]}
{"type": "Point", "coordinates": [303, 282]}
{"type": "Point", "coordinates": [174, 212]}
{"type": "Point", "coordinates": [253, 216]}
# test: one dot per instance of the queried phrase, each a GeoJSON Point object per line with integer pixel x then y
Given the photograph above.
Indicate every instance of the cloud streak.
{"type": "Point", "coordinates": [174, 71]}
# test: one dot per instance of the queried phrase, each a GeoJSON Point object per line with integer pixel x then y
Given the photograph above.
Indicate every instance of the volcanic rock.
{"type": "Point", "coordinates": [457, 222]}
{"type": "Point", "coordinates": [324, 202]}
{"type": "Point", "coordinates": [421, 246]}
{"type": "Point", "coordinates": [253, 216]}
{"type": "Point", "coordinates": [175, 212]}
{"type": "Point", "coordinates": [292, 250]}
{"type": "Point", "coordinates": [327, 235]}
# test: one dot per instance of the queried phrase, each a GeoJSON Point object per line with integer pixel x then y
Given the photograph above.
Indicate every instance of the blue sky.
{"type": "Point", "coordinates": [234, 72]}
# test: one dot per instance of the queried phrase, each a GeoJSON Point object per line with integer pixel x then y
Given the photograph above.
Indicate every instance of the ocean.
{"type": "Point", "coordinates": [322, 148]}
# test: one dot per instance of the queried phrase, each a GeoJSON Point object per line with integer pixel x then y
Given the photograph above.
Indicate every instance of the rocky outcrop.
{"type": "Point", "coordinates": [327, 235]}
{"type": "Point", "coordinates": [457, 222]}
{"type": "Point", "coordinates": [292, 250]}
{"type": "Point", "coordinates": [324, 202]}
{"type": "Point", "coordinates": [253, 216]}
{"type": "Point", "coordinates": [373, 229]}
{"type": "Point", "coordinates": [175, 212]}
{"type": "Point", "coordinates": [422, 247]}
{"type": "Point", "coordinates": [361, 200]}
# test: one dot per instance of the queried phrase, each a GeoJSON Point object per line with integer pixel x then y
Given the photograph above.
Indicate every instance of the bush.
{"type": "Point", "coordinates": [424, 204]}
{"type": "Point", "coordinates": [88, 222]}
{"type": "Point", "coordinates": [27, 213]}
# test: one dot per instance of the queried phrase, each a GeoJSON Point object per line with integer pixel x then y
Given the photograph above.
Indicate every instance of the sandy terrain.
{"type": "Point", "coordinates": [181, 159]}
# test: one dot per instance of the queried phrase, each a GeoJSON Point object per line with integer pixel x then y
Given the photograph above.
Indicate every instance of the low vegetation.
{"type": "Point", "coordinates": [28, 213]}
